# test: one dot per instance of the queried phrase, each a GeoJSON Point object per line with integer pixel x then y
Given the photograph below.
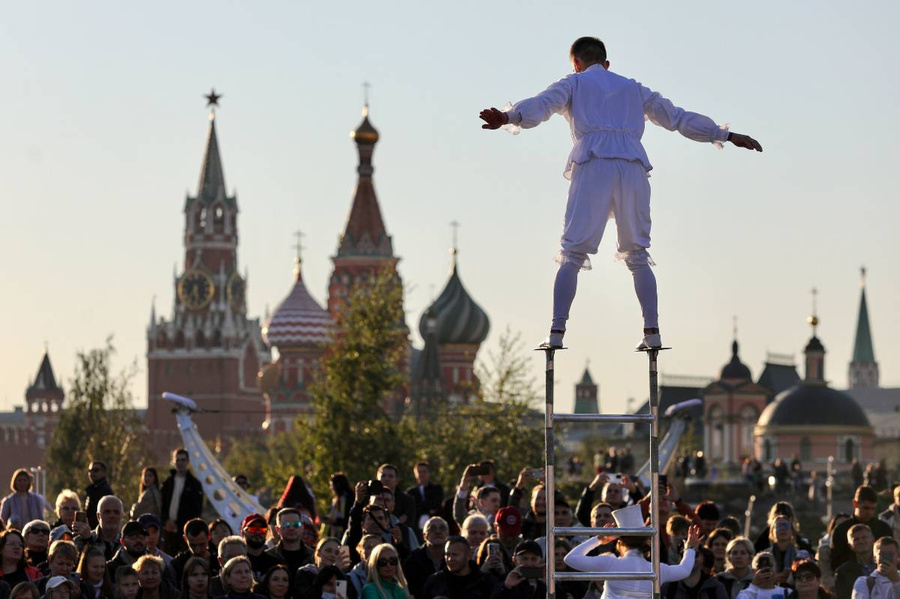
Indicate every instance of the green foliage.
{"type": "Point", "coordinates": [499, 424]}
{"type": "Point", "coordinates": [98, 422]}
{"type": "Point", "coordinates": [355, 429]}
{"type": "Point", "coordinates": [361, 378]}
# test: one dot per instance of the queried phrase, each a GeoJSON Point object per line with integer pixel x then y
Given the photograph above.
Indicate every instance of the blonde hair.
{"type": "Point", "coordinates": [67, 495]}
{"type": "Point", "coordinates": [230, 565]}
{"type": "Point", "coordinates": [744, 542]}
{"type": "Point", "coordinates": [372, 568]}
{"type": "Point", "coordinates": [149, 559]}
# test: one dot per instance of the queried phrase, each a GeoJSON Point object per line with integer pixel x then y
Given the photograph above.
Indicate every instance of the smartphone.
{"type": "Point", "coordinates": [886, 557]}
{"type": "Point", "coordinates": [531, 573]}
{"type": "Point", "coordinates": [81, 517]}
{"type": "Point", "coordinates": [479, 469]}
{"type": "Point", "coordinates": [663, 481]}
{"type": "Point", "coordinates": [616, 479]}
{"type": "Point", "coordinates": [340, 588]}
{"type": "Point", "coordinates": [493, 550]}
{"type": "Point", "coordinates": [536, 473]}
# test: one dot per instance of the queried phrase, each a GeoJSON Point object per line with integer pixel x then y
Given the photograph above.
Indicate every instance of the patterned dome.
{"type": "Point", "coordinates": [459, 318]}
{"type": "Point", "coordinates": [298, 321]}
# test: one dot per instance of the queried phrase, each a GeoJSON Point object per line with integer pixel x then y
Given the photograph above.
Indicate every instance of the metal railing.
{"type": "Point", "coordinates": [550, 485]}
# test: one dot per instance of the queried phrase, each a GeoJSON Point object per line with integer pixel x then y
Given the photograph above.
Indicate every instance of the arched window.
{"type": "Point", "coordinates": [768, 450]}
{"type": "Point", "coordinates": [749, 416]}
{"type": "Point", "coordinates": [201, 218]}
{"type": "Point", "coordinates": [849, 450]}
{"type": "Point", "coordinates": [179, 339]}
{"type": "Point", "coordinates": [200, 339]}
{"type": "Point", "coordinates": [805, 449]}
{"type": "Point", "coordinates": [717, 433]}
{"type": "Point", "coordinates": [217, 338]}
{"type": "Point", "coordinates": [161, 340]}
{"type": "Point", "coordinates": [218, 218]}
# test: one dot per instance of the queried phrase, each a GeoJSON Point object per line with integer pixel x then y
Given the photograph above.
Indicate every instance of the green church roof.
{"type": "Point", "coordinates": [862, 349]}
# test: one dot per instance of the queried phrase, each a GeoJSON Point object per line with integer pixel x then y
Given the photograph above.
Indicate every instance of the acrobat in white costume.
{"type": "Point", "coordinates": [608, 169]}
{"type": "Point", "coordinates": [632, 560]}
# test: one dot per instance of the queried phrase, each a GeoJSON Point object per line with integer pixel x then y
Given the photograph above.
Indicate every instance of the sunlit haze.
{"type": "Point", "coordinates": [103, 126]}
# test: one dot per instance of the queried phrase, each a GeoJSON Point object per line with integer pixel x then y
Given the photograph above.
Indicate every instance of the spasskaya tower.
{"type": "Point", "coordinates": [208, 349]}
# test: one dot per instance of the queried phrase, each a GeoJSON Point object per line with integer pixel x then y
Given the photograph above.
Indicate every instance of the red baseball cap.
{"type": "Point", "coordinates": [250, 519]}
{"type": "Point", "coordinates": [509, 520]}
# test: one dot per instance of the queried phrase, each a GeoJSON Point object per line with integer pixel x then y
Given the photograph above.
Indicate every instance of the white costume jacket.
{"type": "Point", "coordinates": [606, 115]}
{"type": "Point", "coordinates": [632, 561]}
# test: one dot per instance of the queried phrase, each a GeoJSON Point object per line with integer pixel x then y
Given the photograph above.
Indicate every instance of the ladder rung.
{"type": "Point", "coordinates": [614, 418]}
{"type": "Point", "coordinates": [573, 531]}
{"type": "Point", "coordinates": [567, 576]}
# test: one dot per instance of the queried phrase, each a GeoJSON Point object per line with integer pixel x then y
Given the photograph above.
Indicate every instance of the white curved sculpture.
{"type": "Point", "coordinates": [229, 500]}
{"type": "Point", "coordinates": [669, 444]}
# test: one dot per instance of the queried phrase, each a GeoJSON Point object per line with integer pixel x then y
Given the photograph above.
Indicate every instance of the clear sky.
{"type": "Point", "coordinates": [103, 124]}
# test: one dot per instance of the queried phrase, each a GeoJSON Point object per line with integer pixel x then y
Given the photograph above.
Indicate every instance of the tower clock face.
{"type": "Point", "coordinates": [235, 290]}
{"type": "Point", "coordinates": [196, 289]}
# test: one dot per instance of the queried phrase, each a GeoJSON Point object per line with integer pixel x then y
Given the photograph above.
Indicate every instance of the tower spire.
{"type": "Point", "coordinates": [454, 249]}
{"type": "Point", "coordinates": [863, 368]}
{"type": "Point", "coordinates": [212, 176]}
{"type": "Point", "coordinates": [813, 318]}
{"type": "Point", "coordinates": [298, 246]}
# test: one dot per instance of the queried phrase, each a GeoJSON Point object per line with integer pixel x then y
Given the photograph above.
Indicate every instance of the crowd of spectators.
{"type": "Point", "coordinates": [483, 539]}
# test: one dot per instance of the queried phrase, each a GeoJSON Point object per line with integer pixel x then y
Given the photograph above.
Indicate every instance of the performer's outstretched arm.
{"type": "Point", "coordinates": [531, 112]}
{"type": "Point", "coordinates": [662, 112]}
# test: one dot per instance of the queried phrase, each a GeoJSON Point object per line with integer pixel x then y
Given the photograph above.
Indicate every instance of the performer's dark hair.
{"type": "Point", "coordinates": [588, 50]}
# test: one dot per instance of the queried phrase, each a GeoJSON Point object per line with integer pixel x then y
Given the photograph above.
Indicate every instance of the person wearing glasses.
{"type": "Point", "coordinates": [254, 529]}
{"type": "Point", "coordinates": [97, 490]}
{"type": "Point", "coordinates": [290, 550]}
{"type": "Point", "coordinates": [386, 580]}
{"type": "Point", "coordinates": [807, 581]}
{"type": "Point", "coordinates": [37, 542]}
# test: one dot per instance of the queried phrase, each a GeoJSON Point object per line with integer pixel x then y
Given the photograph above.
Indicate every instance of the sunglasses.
{"type": "Point", "coordinates": [256, 530]}
{"type": "Point", "coordinates": [387, 561]}
{"type": "Point", "coordinates": [296, 524]}
{"type": "Point", "coordinates": [39, 531]}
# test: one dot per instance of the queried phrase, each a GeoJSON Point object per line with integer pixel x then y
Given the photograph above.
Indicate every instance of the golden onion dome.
{"type": "Point", "coordinates": [365, 133]}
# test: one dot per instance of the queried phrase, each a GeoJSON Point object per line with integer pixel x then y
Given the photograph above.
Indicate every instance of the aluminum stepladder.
{"type": "Point", "coordinates": [553, 531]}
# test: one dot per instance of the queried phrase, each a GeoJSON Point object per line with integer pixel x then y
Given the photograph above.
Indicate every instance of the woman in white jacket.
{"type": "Point", "coordinates": [632, 560]}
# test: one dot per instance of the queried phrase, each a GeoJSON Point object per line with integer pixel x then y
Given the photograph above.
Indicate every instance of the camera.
{"type": "Point", "coordinates": [374, 487]}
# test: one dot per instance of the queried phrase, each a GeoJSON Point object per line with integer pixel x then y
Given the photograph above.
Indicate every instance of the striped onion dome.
{"type": "Point", "coordinates": [299, 320]}
{"type": "Point", "coordinates": [459, 318]}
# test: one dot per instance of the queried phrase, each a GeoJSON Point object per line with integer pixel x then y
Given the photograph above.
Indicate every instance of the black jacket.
{"type": "Point", "coordinates": [190, 505]}
{"type": "Point", "coordinates": [523, 590]}
{"type": "Point", "coordinates": [417, 568]}
{"type": "Point", "coordinates": [305, 583]}
{"type": "Point", "coordinates": [845, 576]}
{"type": "Point", "coordinates": [95, 492]}
{"type": "Point", "coordinates": [476, 585]}
{"type": "Point", "coordinates": [430, 505]}
{"type": "Point", "coordinates": [293, 560]}
{"type": "Point", "coordinates": [405, 505]}
{"type": "Point", "coordinates": [840, 547]}
{"type": "Point", "coordinates": [709, 588]}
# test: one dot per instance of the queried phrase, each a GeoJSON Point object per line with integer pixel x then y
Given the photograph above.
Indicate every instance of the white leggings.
{"type": "Point", "coordinates": [602, 188]}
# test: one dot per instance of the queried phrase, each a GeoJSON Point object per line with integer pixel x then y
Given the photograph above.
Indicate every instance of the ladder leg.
{"type": "Point", "coordinates": [655, 497]}
{"type": "Point", "coordinates": [549, 486]}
